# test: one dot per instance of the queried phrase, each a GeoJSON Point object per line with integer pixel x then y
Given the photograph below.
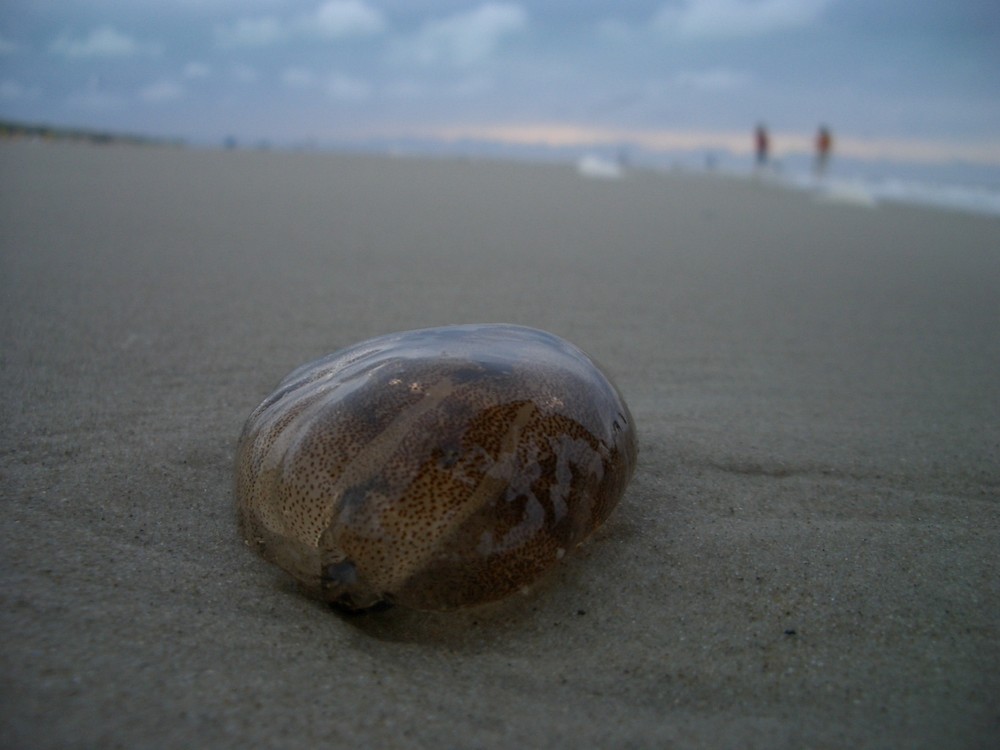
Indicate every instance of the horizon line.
{"type": "Point", "coordinates": [562, 135]}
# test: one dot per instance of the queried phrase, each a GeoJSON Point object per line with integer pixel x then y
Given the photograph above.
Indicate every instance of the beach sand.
{"type": "Point", "coordinates": [808, 554]}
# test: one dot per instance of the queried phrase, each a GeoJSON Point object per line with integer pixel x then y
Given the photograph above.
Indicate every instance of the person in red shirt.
{"type": "Point", "coordinates": [824, 144]}
{"type": "Point", "coordinates": [761, 144]}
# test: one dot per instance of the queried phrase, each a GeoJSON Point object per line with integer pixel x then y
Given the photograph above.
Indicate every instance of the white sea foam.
{"type": "Point", "coordinates": [853, 192]}
{"type": "Point", "coordinates": [957, 197]}
{"type": "Point", "coordinates": [597, 166]}
{"type": "Point", "coordinates": [874, 192]}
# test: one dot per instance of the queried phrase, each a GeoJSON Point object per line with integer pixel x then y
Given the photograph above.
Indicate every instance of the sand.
{"type": "Point", "coordinates": [808, 555]}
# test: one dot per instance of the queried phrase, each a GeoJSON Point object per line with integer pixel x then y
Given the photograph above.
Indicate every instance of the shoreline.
{"type": "Point", "coordinates": [854, 184]}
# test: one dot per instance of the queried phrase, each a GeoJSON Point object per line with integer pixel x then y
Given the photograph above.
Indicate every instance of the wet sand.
{"type": "Point", "coordinates": [808, 555]}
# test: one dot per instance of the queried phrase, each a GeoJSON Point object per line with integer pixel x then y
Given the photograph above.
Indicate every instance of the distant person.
{"type": "Point", "coordinates": [762, 145]}
{"type": "Point", "coordinates": [824, 144]}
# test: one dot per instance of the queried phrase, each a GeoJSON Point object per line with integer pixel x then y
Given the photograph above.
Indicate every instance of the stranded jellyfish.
{"type": "Point", "coordinates": [433, 469]}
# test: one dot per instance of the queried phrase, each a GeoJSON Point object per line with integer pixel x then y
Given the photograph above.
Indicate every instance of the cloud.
{"type": "Point", "coordinates": [465, 38]}
{"type": "Point", "coordinates": [162, 91]}
{"type": "Point", "coordinates": [713, 79]}
{"type": "Point", "coordinates": [341, 18]}
{"type": "Point", "coordinates": [406, 89]}
{"type": "Point", "coordinates": [613, 30]}
{"type": "Point", "coordinates": [251, 32]}
{"type": "Point", "coordinates": [94, 96]}
{"type": "Point", "coordinates": [347, 88]}
{"type": "Point", "coordinates": [8, 47]}
{"type": "Point", "coordinates": [196, 70]}
{"type": "Point", "coordinates": [331, 20]}
{"type": "Point", "coordinates": [337, 85]}
{"type": "Point", "coordinates": [243, 73]}
{"type": "Point", "coordinates": [11, 90]}
{"type": "Point", "coordinates": [736, 18]}
{"type": "Point", "coordinates": [102, 42]}
{"type": "Point", "coordinates": [471, 86]}
{"type": "Point", "coordinates": [298, 78]}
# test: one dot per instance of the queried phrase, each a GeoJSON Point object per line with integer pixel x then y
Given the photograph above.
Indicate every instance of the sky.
{"type": "Point", "coordinates": [914, 80]}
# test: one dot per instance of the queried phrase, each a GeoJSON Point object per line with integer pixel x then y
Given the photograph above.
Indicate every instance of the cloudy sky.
{"type": "Point", "coordinates": [907, 79]}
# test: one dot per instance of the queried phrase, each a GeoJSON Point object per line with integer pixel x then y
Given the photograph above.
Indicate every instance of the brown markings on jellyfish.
{"type": "Point", "coordinates": [434, 469]}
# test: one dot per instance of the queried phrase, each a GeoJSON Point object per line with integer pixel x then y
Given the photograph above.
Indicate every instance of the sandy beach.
{"type": "Point", "coordinates": [808, 554]}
